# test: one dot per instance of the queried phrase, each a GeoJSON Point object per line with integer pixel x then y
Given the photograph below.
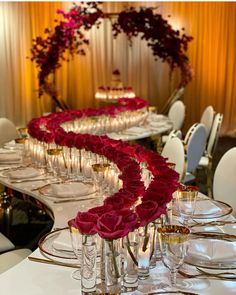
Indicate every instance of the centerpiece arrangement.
{"type": "Point", "coordinates": [137, 203]}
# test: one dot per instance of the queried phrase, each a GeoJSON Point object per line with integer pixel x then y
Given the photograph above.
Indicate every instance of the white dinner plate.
{"type": "Point", "coordinates": [211, 251]}
{"type": "Point", "coordinates": [48, 192]}
{"type": "Point", "coordinates": [49, 251]}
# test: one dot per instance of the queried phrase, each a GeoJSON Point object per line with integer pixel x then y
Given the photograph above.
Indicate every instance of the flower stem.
{"type": "Point", "coordinates": [146, 239]}
{"type": "Point", "coordinates": [130, 251]}
{"type": "Point", "coordinates": [117, 275]}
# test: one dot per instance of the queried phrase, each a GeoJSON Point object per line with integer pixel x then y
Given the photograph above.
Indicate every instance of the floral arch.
{"type": "Point", "coordinates": [69, 36]}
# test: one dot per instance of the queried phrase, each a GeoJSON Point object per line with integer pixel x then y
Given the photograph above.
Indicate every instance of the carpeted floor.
{"type": "Point", "coordinates": [26, 232]}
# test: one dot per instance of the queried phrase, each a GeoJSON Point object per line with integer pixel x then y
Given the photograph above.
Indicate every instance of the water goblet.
{"type": "Point", "coordinates": [186, 196]}
{"type": "Point", "coordinates": [76, 241]}
{"type": "Point", "coordinates": [173, 243]}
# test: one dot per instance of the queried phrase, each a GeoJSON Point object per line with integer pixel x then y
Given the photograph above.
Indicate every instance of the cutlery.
{"type": "Point", "coordinates": [47, 261]}
{"type": "Point", "coordinates": [216, 223]}
{"type": "Point", "coordinates": [30, 180]}
{"type": "Point", "coordinates": [213, 235]}
{"type": "Point", "coordinates": [45, 185]}
{"type": "Point", "coordinates": [220, 276]}
{"type": "Point", "coordinates": [171, 292]}
{"type": "Point", "coordinates": [56, 182]}
{"type": "Point", "coordinates": [73, 200]}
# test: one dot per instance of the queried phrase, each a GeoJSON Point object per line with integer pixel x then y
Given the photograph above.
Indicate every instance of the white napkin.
{"type": "Point", "coordinates": [71, 189]}
{"type": "Point", "coordinates": [157, 124]}
{"type": "Point", "coordinates": [206, 207]}
{"type": "Point", "coordinates": [24, 173]}
{"type": "Point", "coordinates": [212, 250]}
{"type": "Point", "coordinates": [9, 157]}
{"type": "Point", "coordinates": [63, 241]}
{"type": "Point", "coordinates": [135, 130]}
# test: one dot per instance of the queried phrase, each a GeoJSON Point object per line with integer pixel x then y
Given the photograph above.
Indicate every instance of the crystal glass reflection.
{"type": "Point", "coordinates": [173, 243]}
{"type": "Point", "coordinates": [186, 201]}
{"type": "Point", "coordinates": [76, 241]}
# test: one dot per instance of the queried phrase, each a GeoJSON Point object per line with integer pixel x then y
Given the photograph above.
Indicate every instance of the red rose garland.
{"type": "Point", "coordinates": [120, 206]}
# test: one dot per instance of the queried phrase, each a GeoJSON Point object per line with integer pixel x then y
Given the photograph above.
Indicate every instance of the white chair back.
{"type": "Point", "coordinates": [195, 142]}
{"type": "Point", "coordinates": [8, 131]}
{"type": "Point", "coordinates": [215, 132]}
{"type": "Point", "coordinates": [174, 133]}
{"type": "Point", "coordinates": [174, 151]}
{"type": "Point", "coordinates": [224, 182]}
{"type": "Point", "coordinates": [207, 119]}
{"type": "Point", "coordinates": [177, 114]}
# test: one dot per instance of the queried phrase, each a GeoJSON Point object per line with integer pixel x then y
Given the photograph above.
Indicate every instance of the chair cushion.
{"type": "Point", "coordinates": [5, 243]}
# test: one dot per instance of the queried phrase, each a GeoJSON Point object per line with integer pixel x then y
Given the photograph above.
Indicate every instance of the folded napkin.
{"type": "Point", "coordinates": [135, 130]}
{"type": "Point", "coordinates": [27, 172]}
{"type": "Point", "coordinates": [212, 250]}
{"type": "Point", "coordinates": [157, 124]}
{"type": "Point", "coordinates": [156, 117]}
{"type": "Point", "coordinates": [72, 189]}
{"type": "Point", "coordinates": [63, 241]}
{"type": "Point", "coordinates": [206, 207]}
{"type": "Point", "coordinates": [9, 157]}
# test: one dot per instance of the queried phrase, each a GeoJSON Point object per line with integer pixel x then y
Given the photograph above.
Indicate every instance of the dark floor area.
{"type": "Point", "coordinates": [29, 222]}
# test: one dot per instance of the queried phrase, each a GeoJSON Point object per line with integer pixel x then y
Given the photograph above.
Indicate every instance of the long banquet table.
{"type": "Point", "coordinates": [28, 277]}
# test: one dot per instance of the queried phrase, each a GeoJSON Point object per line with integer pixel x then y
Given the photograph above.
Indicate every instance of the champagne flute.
{"type": "Point", "coordinates": [99, 175]}
{"type": "Point", "coordinates": [186, 196]}
{"type": "Point", "coordinates": [173, 244]}
{"type": "Point", "coordinates": [76, 241]}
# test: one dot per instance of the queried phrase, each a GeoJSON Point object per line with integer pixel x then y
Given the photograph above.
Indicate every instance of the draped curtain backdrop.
{"type": "Point", "coordinates": [211, 53]}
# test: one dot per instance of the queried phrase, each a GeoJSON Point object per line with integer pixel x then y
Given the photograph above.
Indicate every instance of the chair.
{"type": "Point", "coordinates": [195, 142]}
{"type": "Point", "coordinates": [177, 114]}
{"type": "Point", "coordinates": [224, 182]}
{"type": "Point", "coordinates": [207, 119]}
{"type": "Point", "coordinates": [5, 243]}
{"type": "Point", "coordinates": [8, 131]}
{"type": "Point", "coordinates": [174, 151]}
{"type": "Point", "coordinates": [11, 258]}
{"type": "Point", "coordinates": [206, 159]}
{"type": "Point", "coordinates": [176, 95]}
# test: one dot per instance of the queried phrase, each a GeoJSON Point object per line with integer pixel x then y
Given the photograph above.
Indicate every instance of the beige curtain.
{"type": "Point", "coordinates": [211, 53]}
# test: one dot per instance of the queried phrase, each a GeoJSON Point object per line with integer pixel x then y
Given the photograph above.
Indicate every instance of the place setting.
{"type": "Point", "coordinates": [211, 250]}
{"type": "Point", "coordinates": [68, 191]}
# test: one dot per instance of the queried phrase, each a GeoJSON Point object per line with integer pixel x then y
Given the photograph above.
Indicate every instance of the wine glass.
{"type": "Point", "coordinates": [186, 196]}
{"type": "Point", "coordinates": [173, 243]}
{"type": "Point", "coordinates": [76, 241]}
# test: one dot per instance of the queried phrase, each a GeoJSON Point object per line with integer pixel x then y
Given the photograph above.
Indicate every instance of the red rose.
{"type": "Point", "coordinates": [113, 225]}
{"type": "Point", "coordinates": [85, 222]}
{"type": "Point", "coordinates": [100, 210]}
{"type": "Point", "coordinates": [148, 211]}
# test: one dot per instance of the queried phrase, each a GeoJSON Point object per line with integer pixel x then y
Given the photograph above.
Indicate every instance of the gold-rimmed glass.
{"type": "Point", "coordinates": [186, 196]}
{"type": "Point", "coordinates": [76, 241]}
{"type": "Point", "coordinates": [99, 170]}
{"type": "Point", "coordinates": [173, 243]}
{"type": "Point", "coordinates": [53, 160]}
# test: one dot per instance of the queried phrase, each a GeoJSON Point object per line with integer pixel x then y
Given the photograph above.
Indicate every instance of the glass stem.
{"type": "Point", "coordinates": [173, 274]}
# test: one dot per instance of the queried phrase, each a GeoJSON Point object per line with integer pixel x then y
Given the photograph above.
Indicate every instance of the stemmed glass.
{"type": "Point", "coordinates": [99, 175]}
{"type": "Point", "coordinates": [186, 196]}
{"type": "Point", "coordinates": [173, 243]}
{"type": "Point", "coordinates": [76, 241]}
